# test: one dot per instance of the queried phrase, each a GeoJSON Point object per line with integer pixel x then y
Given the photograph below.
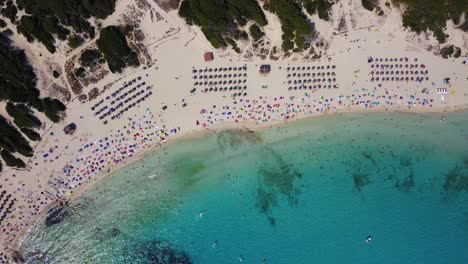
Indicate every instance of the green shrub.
{"type": "Point", "coordinates": [2, 23]}
{"type": "Point", "coordinates": [74, 41]}
{"type": "Point", "coordinates": [9, 11]}
{"type": "Point", "coordinates": [368, 4]}
{"type": "Point", "coordinates": [322, 7]}
{"type": "Point", "coordinates": [90, 57]}
{"type": "Point", "coordinates": [256, 32]}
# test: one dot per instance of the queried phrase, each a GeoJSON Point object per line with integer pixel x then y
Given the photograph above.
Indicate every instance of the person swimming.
{"type": "Point", "coordinates": [368, 239]}
{"type": "Point", "coordinates": [201, 213]}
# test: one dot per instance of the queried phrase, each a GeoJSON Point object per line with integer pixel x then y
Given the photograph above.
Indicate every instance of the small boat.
{"type": "Point", "coordinates": [368, 239]}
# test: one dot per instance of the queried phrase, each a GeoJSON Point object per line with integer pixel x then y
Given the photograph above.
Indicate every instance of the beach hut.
{"type": "Point", "coordinates": [265, 68]}
{"type": "Point", "coordinates": [69, 129]}
{"type": "Point", "coordinates": [209, 56]}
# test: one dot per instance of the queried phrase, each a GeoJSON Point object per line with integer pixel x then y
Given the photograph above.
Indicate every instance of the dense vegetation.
{"type": "Point", "coordinates": [31, 134]}
{"type": "Point", "coordinates": [18, 88]}
{"type": "Point", "coordinates": [321, 7]}
{"type": "Point", "coordinates": [17, 77]}
{"type": "Point", "coordinates": [11, 160]}
{"type": "Point", "coordinates": [46, 20]}
{"type": "Point", "coordinates": [53, 109]}
{"type": "Point", "coordinates": [295, 25]}
{"type": "Point", "coordinates": [9, 11]}
{"type": "Point", "coordinates": [113, 44]}
{"type": "Point", "coordinates": [90, 57]}
{"type": "Point", "coordinates": [22, 115]}
{"type": "Point", "coordinates": [256, 32]}
{"type": "Point", "coordinates": [11, 139]}
{"type": "Point", "coordinates": [423, 15]}
{"type": "Point", "coordinates": [220, 20]}
{"type": "Point", "coordinates": [370, 4]}
{"type": "Point", "coordinates": [2, 23]}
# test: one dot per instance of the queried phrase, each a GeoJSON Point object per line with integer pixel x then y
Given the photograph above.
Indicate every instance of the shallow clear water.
{"type": "Point", "coordinates": [309, 192]}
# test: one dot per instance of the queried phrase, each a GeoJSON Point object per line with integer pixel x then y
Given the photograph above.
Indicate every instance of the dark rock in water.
{"type": "Point", "coordinates": [360, 180]}
{"type": "Point", "coordinates": [159, 252]}
{"type": "Point", "coordinates": [115, 232]}
{"type": "Point", "coordinates": [56, 215]}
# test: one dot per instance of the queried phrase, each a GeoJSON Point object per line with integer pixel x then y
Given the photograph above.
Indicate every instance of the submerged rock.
{"type": "Point", "coordinates": [115, 232]}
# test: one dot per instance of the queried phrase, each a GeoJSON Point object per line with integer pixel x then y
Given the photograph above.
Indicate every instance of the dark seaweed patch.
{"type": "Point", "coordinates": [456, 180]}
{"type": "Point", "coordinates": [276, 178]}
{"type": "Point", "coordinates": [236, 138]}
{"type": "Point", "coordinates": [188, 169]}
{"type": "Point", "coordinates": [56, 215]}
{"type": "Point", "coordinates": [406, 184]}
{"type": "Point", "coordinates": [465, 162]}
{"type": "Point", "coordinates": [361, 180]}
{"type": "Point", "coordinates": [265, 201]}
{"type": "Point", "coordinates": [405, 161]}
{"type": "Point", "coordinates": [158, 252]}
{"type": "Point", "coordinates": [369, 157]}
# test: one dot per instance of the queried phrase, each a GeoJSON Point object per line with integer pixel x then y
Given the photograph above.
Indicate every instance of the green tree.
{"type": "Point", "coordinates": [11, 139]}
{"type": "Point", "coordinates": [53, 109]}
{"type": "Point", "coordinates": [23, 116]}
{"type": "Point", "coordinates": [113, 44]}
{"type": "Point", "coordinates": [31, 134]}
{"type": "Point", "coordinates": [11, 160]}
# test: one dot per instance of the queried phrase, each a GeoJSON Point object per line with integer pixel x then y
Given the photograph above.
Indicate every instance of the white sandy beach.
{"type": "Point", "coordinates": [64, 166]}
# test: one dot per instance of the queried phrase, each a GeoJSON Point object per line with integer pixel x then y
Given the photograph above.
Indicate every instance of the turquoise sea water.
{"type": "Point", "coordinates": [309, 192]}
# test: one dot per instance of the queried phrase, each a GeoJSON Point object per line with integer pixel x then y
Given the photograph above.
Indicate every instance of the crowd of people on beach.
{"type": "Point", "coordinates": [94, 156]}
{"type": "Point", "coordinates": [98, 154]}
{"type": "Point", "coordinates": [263, 109]}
